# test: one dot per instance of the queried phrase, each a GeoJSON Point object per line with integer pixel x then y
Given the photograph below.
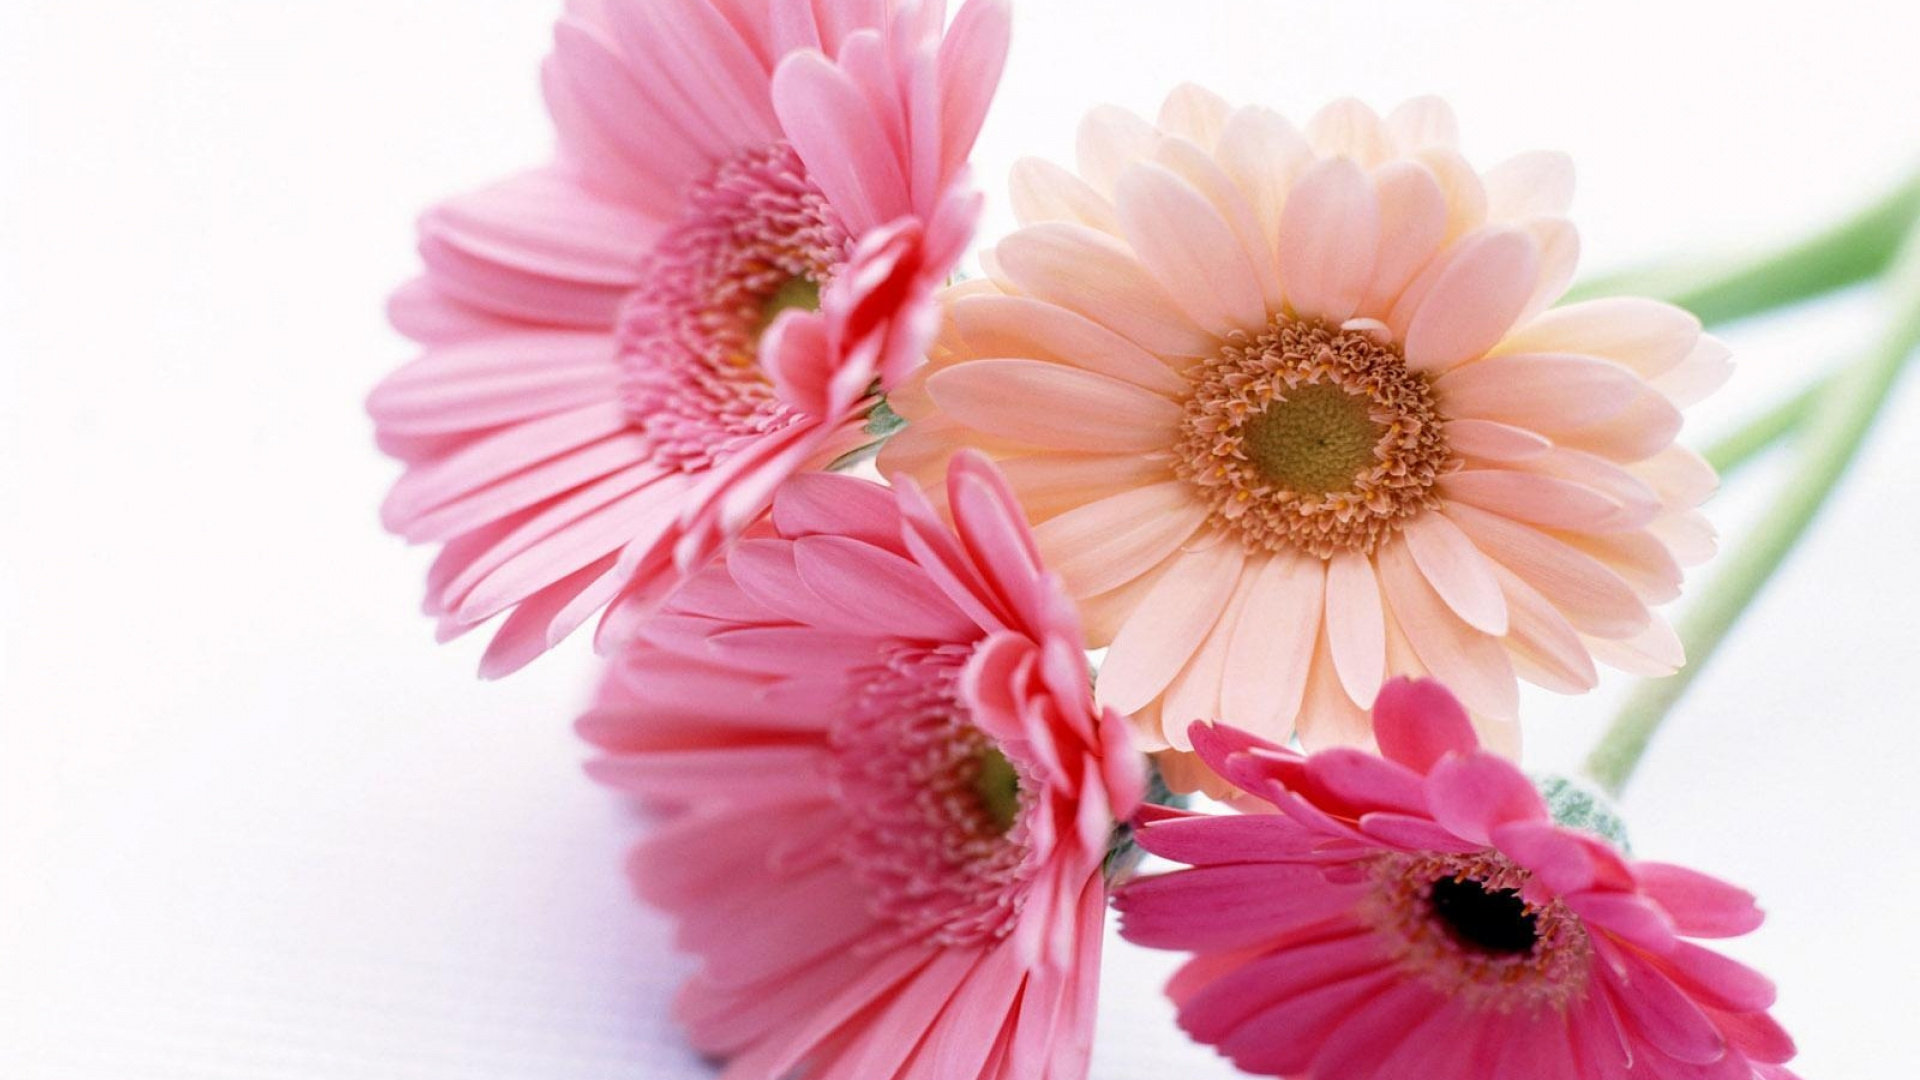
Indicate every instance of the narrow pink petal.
{"type": "Point", "coordinates": [1284, 1039]}
{"type": "Point", "coordinates": [1660, 1013]}
{"type": "Point", "coordinates": [1717, 981]}
{"type": "Point", "coordinates": [1199, 169]}
{"type": "Point", "coordinates": [1262, 153]}
{"type": "Point", "coordinates": [1530, 497]}
{"type": "Point", "coordinates": [1212, 908]}
{"type": "Point", "coordinates": [1418, 722]}
{"type": "Point", "coordinates": [1559, 245]}
{"type": "Point", "coordinates": [1546, 649]}
{"type": "Point", "coordinates": [1052, 483]}
{"type": "Point", "coordinates": [1109, 139]}
{"type": "Point", "coordinates": [825, 504]}
{"type": "Point", "coordinates": [1655, 652]}
{"type": "Point", "coordinates": [1348, 128]}
{"type": "Point", "coordinates": [1360, 1045]}
{"type": "Point", "coordinates": [972, 57]}
{"type": "Point", "coordinates": [548, 616]}
{"type": "Point", "coordinates": [1647, 336]}
{"type": "Point", "coordinates": [843, 572]}
{"type": "Point", "coordinates": [1173, 619]}
{"type": "Point", "coordinates": [1492, 441]}
{"type": "Point", "coordinates": [1474, 301]}
{"type": "Point", "coordinates": [1216, 1008]}
{"type": "Point", "coordinates": [1356, 627]}
{"type": "Point", "coordinates": [1328, 240]}
{"type": "Point", "coordinates": [1705, 369]}
{"type": "Point", "coordinates": [1458, 571]}
{"type": "Point", "coordinates": [1189, 249]}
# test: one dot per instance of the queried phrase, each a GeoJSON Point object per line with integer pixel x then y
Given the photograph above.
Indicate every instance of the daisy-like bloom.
{"type": "Point", "coordinates": [1291, 415]}
{"type": "Point", "coordinates": [1420, 914]}
{"type": "Point", "coordinates": [887, 791]}
{"type": "Point", "coordinates": [753, 204]}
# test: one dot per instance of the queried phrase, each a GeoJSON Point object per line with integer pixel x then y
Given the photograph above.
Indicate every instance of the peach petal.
{"type": "Point", "coordinates": [1592, 597]}
{"type": "Point", "coordinates": [1041, 191]}
{"type": "Point", "coordinates": [1413, 222]}
{"type": "Point", "coordinates": [1473, 664]}
{"type": "Point", "coordinates": [993, 324]}
{"type": "Point", "coordinates": [1096, 275]}
{"type": "Point", "coordinates": [1348, 128]}
{"type": "Point", "coordinates": [1474, 301]}
{"type": "Point", "coordinates": [1195, 114]}
{"type": "Point", "coordinates": [1546, 649]}
{"type": "Point", "coordinates": [1545, 392]}
{"type": "Point", "coordinates": [1052, 405]}
{"type": "Point", "coordinates": [1190, 250]}
{"type": "Point", "coordinates": [1110, 138]}
{"type": "Point", "coordinates": [1210, 180]}
{"type": "Point", "coordinates": [1648, 336]}
{"type": "Point", "coordinates": [1163, 633]}
{"type": "Point", "coordinates": [1654, 652]}
{"type": "Point", "coordinates": [1494, 441]}
{"type": "Point", "coordinates": [1423, 122]}
{"type": "Point", "coordinates": [1105, 544]}
{"type": "Point", "coordinates": [1355, 626]}
{"type": "Point", "coordinates": [1329, 236]}
{"type": "Point", "coordinates": [1538, 183]}
{"type": "Point", "coordinates": [1265, 677]}
{"type": "Point", "coordinates": [1263, 153]}
{"type": "Point", "coordinates": [1458, 572]}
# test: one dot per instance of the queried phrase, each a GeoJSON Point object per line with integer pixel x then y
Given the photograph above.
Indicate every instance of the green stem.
{"type": "Point", "coordinates": [1848, 252]}
{"type": "Point", "coordinates": [1736, 448]}
{"type": "Point", "coordinates": [1838, 418]}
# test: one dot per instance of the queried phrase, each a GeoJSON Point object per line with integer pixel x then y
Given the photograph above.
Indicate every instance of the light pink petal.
{"type": "Point", "coordinates": [1559, 245]}
{"type": "Point", "coordinates": [1265, 677]}
{"type": "Point", "coordinates": [1170, 623]}
{"type": "Point", "coordinates": [972, 57]}
{"type": "Point", "coordinates": [843, 143]}
{"type": "Point", "coordinates": [1647, 336]}
{"type": "Point", "coordinates": [1641, 430]}
{"type": "Point", "coordinates": [1474, 300]}
{"type": "Point", "coordinates": [1096, 275]}
{"type": "Point", "coordinates": [1225, 907]}
{"type": "Point", "coordinates": [1545, 392]}
{"type": "Point", "coordinates": [1190, 249]}
{"type": "Point", "coordinates": [1203, 172]}
{"type": "Point", "coordinates": [1538, 183]}
{"type": "Point", "coordinates": [1262, 153]}
{"type": "Point", "coordinates": [1348, 128]}
{"type": "Point", "coordinates": [1329, 236]}
{"type": "Point", "coordinates": [1655, 652]}
{"type": "Point", "coordinates": [1546, 649]}
{"type": "Point", "coordinates": [1109, 139]}
{"type": "Point", "coordinates": [1492, 441]}
{"type": "Point", "coordinates": [1533, 498]}
{"type": "Point", "coordinates": [1040, 191]}
{"type": "Point", "coordinates": [1118, 539]}
{"type": "Point", "coordinates": [1016, 326]}
{"type": "Point", "coordinates": [1458, 571]}
{"type": "Point", "coordinates": [843, 572]}
{"type": "Point", "coordinates": [1052, 405]}
{"type": "Point", "coordinates": [1413, 222]}
{"type": "Point", "coordinates": [1418, 722]}
{"type": "Point", "coordinates": [1592, 597]}
{"type": "Point", "coordinates": [824, 504]}
{"type": "Point", "coordinates": [1704, 370]}
{"type": "Point", "coordinates": [1473, 664]}
{"type": "Point", "coordinates": [1356, 626]}
{"type": "Point", "coordinates": [1423, 122]}
{"type": "Point", "coordinates": [1195, 114]}
{"type": "Point", "coordinates": [613, 129]}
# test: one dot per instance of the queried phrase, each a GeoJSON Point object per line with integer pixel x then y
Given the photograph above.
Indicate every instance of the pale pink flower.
{"type": "Point", "coordinates": [622, 353]}
{"type": "Point", "coordinates": [1291, 415]}
{"type": "Point", "coordinates": [1420, 915]}
{"type": "Point", "coordinates": [887, 791]}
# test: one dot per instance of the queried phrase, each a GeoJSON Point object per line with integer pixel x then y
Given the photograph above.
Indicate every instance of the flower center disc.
{"type": "Point", "coordinates": [936, 811]}
{"type": "Point", "coordinates": [1496, 920]}
{"type": "Point", "coordinates": [754, 240]}
{"type": "Point", "coordinates": [1310, 438]}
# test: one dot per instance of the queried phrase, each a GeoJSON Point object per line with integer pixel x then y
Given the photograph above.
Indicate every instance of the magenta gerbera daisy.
{"type": "Point", "coordinates": [627, 351]}
{"type": "Point", "coordinates": [886, 791]}
{"type": "Point", "coordinates": [1421, 914]}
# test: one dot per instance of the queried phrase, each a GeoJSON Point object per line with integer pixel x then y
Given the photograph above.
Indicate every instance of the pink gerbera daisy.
{"type": "Point", "coordinates": [1421, 915]}
{"type": "Point", "coordinates": [626, 351]}
{"type": "Point", "coordinates": [887, 791]}
{"type": "Point", "coordinates": [1291, 414]}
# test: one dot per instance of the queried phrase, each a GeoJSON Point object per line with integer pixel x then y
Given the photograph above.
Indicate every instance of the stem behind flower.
{"type": "Point", "coordinates": [1837, 419]}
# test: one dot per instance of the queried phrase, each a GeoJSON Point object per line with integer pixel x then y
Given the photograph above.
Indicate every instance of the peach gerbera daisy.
{"type": "Point", "coordinates": [628, 350]}
{"type": "Point", "coordinates": [1292, 413]}
{"type": "Point", "coordinates": [886, 793]}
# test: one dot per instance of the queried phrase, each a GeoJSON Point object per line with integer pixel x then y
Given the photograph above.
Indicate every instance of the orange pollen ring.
{"type": "Point", "coordinates": [1311, 438]}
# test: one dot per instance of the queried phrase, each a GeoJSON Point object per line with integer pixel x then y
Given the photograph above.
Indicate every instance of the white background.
{"type": "Point", "coordinates": [255, 825]}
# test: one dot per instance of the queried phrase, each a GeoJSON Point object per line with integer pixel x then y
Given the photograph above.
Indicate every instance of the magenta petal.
{"type": "Point", "coordinates": [1475, 793]}
{"type": "Point", "coordinates": [1418, 721]}
{"type": "Point", "coordinates": [1700, 905]}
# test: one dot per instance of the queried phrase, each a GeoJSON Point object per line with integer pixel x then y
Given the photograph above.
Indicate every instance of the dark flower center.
{"type": "Point", "coordinates": [1492, 920]}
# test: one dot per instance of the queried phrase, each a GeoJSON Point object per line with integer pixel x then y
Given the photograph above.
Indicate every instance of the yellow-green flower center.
{"type": "Point", "coordinates": [1313, 441]}
{"type": "Point", "coordinates": [997, 784]}
{"type": "Point", "coordinates": [797, 293]}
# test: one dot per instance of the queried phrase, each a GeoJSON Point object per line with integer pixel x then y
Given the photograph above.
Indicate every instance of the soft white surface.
{"type": "Point", "coordinates": [255, 825]}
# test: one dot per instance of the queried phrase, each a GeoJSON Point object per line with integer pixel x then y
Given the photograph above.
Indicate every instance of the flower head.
{"type": "Point", "coordinates": [627, 350]}
{"type": "Point", "coordinates": [1420, 914]}
{"type": "Point", "coordinates": [1291, 414]}
{"type": "Point", "coordinates": [887, 792]}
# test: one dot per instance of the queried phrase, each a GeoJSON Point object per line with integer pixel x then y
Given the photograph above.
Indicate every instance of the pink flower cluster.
{"type": "Point", "coordinates": [1288, 420]}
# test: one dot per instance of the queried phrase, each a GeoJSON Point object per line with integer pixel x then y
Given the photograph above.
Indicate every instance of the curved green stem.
{"type": "Point", "coordinates": [1740, 446]}
{"type": "Point", "coordinates": [1856, 249]}
{"type": "Point", "coordinates": [1838, 419]}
